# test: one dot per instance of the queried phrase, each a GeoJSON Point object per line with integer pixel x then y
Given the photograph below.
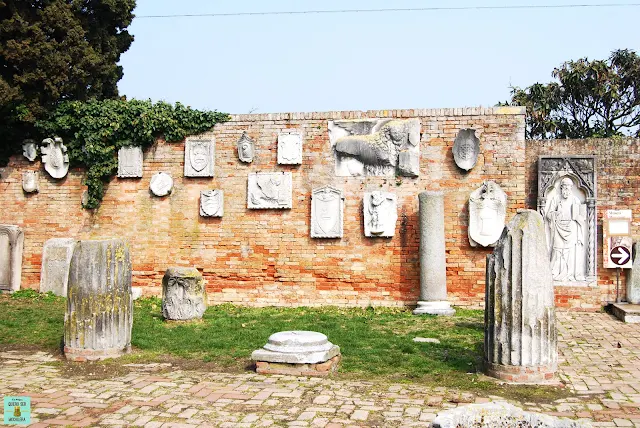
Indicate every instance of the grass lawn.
{"type": "Point", "coordinates": [376, 343]}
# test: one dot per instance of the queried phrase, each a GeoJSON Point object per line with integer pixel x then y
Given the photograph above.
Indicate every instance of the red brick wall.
{"type": "Point", "coordinates": [266, 257]}
{"type": "Point", "coordinates": [618, 175]}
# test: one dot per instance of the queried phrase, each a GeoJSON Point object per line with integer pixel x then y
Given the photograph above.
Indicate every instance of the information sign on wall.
{"type": "Point", "coordinates": [616, 237]}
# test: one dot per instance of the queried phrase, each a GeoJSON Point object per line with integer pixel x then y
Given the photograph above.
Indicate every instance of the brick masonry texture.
{"type": "Point", "coordinates": [266, 257]}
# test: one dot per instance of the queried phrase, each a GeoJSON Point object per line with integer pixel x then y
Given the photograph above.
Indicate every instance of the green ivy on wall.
{"type": "Point", "coordinates": [94, 131]}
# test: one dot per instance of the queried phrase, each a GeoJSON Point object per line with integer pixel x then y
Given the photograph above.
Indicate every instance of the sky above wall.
{"type": "Point", "coordinates": [360, 61]}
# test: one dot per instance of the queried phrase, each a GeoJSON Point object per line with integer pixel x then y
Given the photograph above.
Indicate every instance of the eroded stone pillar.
{"type": "Point", "coordinates": [520, 339]}
{"type": "Point", "coordinates": [99, 315]}
{"type": "Point", "coordinates": [433, 266]}
{"type": "Point", "coordinates": [183, 294]}
{"type": "Point", "coordinates": [633, 277]}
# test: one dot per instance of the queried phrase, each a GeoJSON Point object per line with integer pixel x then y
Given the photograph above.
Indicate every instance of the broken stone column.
{"type": "Point", "coordinates": [99, 315]}
{"type": "Point", "coordinates": [520, 339]}
{"type": "Point", "coordinates": [433, 266]}
{"type": "Point", "coordinates": [183, 294]}
{"type": "Point", "coordinates": [633, 277]}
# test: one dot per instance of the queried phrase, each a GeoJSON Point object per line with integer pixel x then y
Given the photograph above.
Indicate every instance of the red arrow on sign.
{"type": "Point", "coordinates": [620, 255]}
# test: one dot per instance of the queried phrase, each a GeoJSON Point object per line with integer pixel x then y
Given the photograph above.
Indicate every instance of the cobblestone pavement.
{"type": "Point", "coordinates": [598, 361]}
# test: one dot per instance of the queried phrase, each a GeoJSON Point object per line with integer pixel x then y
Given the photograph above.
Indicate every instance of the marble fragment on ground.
{"type": "Point", "coordinates": [305, 353]}
{"type": "Point", "coordinates": [499, 414]}
{"type": "Point", "coordinates": [56, 259]}
{"type": "Point", "coordinates": [520, 342]}
{"type": "Point", "coordinates": [99, 313]}
{"type": "Point", "coordinates": [184, 296]}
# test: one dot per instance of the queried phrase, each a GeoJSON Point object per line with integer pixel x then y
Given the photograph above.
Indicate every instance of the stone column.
{"type": "Point", "coordinates": [633, 277]}
{"type": "Point", "coordinates": [520, 339]}
{"type": "Point", "coordinates": [433, 267]}
{"type": "Point", "coordinates": [99, 315]}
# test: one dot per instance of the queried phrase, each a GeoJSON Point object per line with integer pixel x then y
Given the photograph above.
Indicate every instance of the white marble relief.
{"type": "Point", "coordinates": [290, 148]}
{"type": "Point", "coordinates": [487, 214]}
{"type": "Point", "coordinates": [466, 149]}
{"type": "Point", "coordinates": [161, 184]}
{"type": "Point", "coordinates": [269, 190]}
{"type": "Point", "coordinates": [380, 214]}
{"type": "Point", "coordinates": [30, 150]}
{"type": "Point", "coordinates": [55, 157]}
{"type": "Point", "coordinates": [199, 155]}
{"type": "Point", "coordinates": [211, 203]}
{"type": "Point", "coordinates": [246, 148]}
{"type": "Point", "coordinates": [327, 210]}
{"type": "Point", "coordinates": [130, 162]}
{"type": "Point", "coordinates": [30, 181]}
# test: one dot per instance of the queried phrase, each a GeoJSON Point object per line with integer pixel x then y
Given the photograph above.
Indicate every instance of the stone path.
{"type": "Point", "coordinates": [599, 362]}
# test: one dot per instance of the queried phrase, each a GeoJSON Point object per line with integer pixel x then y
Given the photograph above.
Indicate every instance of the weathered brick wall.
{"type": "Point", "coordinates": [618, 175]}
{"type": "Point", "coordinates": [266, 257]}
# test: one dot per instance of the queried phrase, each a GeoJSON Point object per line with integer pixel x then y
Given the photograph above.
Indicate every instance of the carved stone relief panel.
{"type": "Point", "coordinates": [30, 150]}
{"type": "Point", "coordinates": [380, 214]}
{"type": "Point", "coordinates": [30, 181]}
{"type": "Point", "coordinates": [487, 212]}
{"type": "Point", "coordinates": [130, 162]}
{"type": "Point", "coordinates": [290, 148]}
{"type": "Point", "coordinates": [466, 149]}
{"type": "Point", "coordinates": [55, 157]}
{"type": "Point", "coordinates": [56, 258]}
{"type": "Point", "coordinates": [327, 209]}
{"type": "Point", "coordinates": [11, 243]}
{"type": "Point", "coordinates": [161, 184]}
{"type": "Point", "coordinates": [269, 190]}
{"type": "Point", "coordinates": [567, 202]}
{"type": "Point", "coordinates": [199, 157]}
{"type": "Point", "coordinates": [379, 147]}
{"type": "Point", "coordinates": [246, 148]}
{"type": "Point", "coordinates": [211, 203]}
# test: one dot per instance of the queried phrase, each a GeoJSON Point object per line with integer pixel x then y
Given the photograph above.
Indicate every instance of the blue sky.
{"type": "Point", "coordinates": [360, 61]}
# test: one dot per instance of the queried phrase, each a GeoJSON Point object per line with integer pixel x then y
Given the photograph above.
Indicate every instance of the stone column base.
{"type": "Point", "coordinates": [441, 307]}
{"type": "Point", "coordinates": [520, 374]}
{"type": "Point", "coordinates": [83, 355]}
{"type": "Point", "coordinates": [317, 370]}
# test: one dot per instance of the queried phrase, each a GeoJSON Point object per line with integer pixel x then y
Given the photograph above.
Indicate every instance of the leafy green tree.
{"type": "Point", "coordinates": [56, 50]}
{"type": "Point", "coordinates": [599, 98]}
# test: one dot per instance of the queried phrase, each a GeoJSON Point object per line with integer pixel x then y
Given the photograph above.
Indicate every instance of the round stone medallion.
{"type": "Point", "coordinates": [298, 341]}
{"type": "Point", "coordinates": [161, 184]}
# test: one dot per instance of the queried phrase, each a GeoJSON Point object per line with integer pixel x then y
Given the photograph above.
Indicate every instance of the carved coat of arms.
{"type": "Point", "coordinates": [327, 206]}
{"type": "Point", "coordinates": [211, 203]}
{"type": "Point", "coordinates": [55, 157]}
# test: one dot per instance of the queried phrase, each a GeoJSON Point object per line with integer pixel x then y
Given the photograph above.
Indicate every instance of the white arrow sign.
{"type": "Point", "coordinates": [620, 255]}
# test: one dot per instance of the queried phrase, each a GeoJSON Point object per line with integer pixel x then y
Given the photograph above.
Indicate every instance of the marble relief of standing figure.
{"type": "Point", "coordinates": [566, 231]}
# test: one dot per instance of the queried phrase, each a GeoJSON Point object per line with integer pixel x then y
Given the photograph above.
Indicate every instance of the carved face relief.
{"type": "Point", "coordinates": [245, 148]}
{"type": "Point", "coordinates": [290, 148]}
{"type": "Point", "coordinates": [161, 184]}
{"type": "Point", "coordinates": [211, 203]}
{"type": "Point", "coordinates": [55, 157]}
{"type": "Point", "coordinates": [487, 212]}
{"type": "Point", "coordinates": [29, 150]}
{"type": "Point", "coordinates": [466, 148]}
{"type": "Point", "coordinates": [30, 181]}
{"type": "Point", "coordinates": [198, 160]}
{"type": "Point", "coordinates": [327, 206]}
{"type": "Point", "coordinates": [269, 190]}
{"type": "Point", "coordinates": [380, 214]}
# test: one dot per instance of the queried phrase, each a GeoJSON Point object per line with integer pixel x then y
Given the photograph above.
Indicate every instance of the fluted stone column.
{"type": "Point", "coordinates": [520, 340]}
{"type": "Point", "coordinates": [99, 315]}
{"type": "Point", "coordinates": [433, 266]}
{"type": "Point", "coordinates": [633, 277]}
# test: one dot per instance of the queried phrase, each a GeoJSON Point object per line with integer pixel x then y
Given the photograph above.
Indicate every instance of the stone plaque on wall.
{"type": "Point", "coordinates": [567, 201]}
{"type": "Point", "coordinates": [30, 181]}
{"type": "Point", "coordinates": [11, 243]}
{"type": "Point", "coordinates": [161, 184]}
{"type": "Point", "coordinates": [379, 147]}
{"type": "Point", "coordinates": [269, 190]}
{"type": "Point", "coordinates": [246, 148]}
{"type": "Point", "coordinates": [487, 212]}
{"type": "Point", "coordinates": [290, 148]}
{"type": "Point", "coordinates": [54, 273]}
{"type": "Point", "coordinates": [199, 157]}
{"type": "Point", "coordinates": [211, 203]}
{"type": "Point", "coordinates": [466, 149]}
{"type": "Point", "coordinates": [130, 162]}
{"type": "Point", "coordinates": [380, 214]}
{"type": "Point", "coordinates": [327, 209]}
{"type": "Point", "coordinates": [29, 150]}
{"type": "Point", "coordinates": [55, 157]}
